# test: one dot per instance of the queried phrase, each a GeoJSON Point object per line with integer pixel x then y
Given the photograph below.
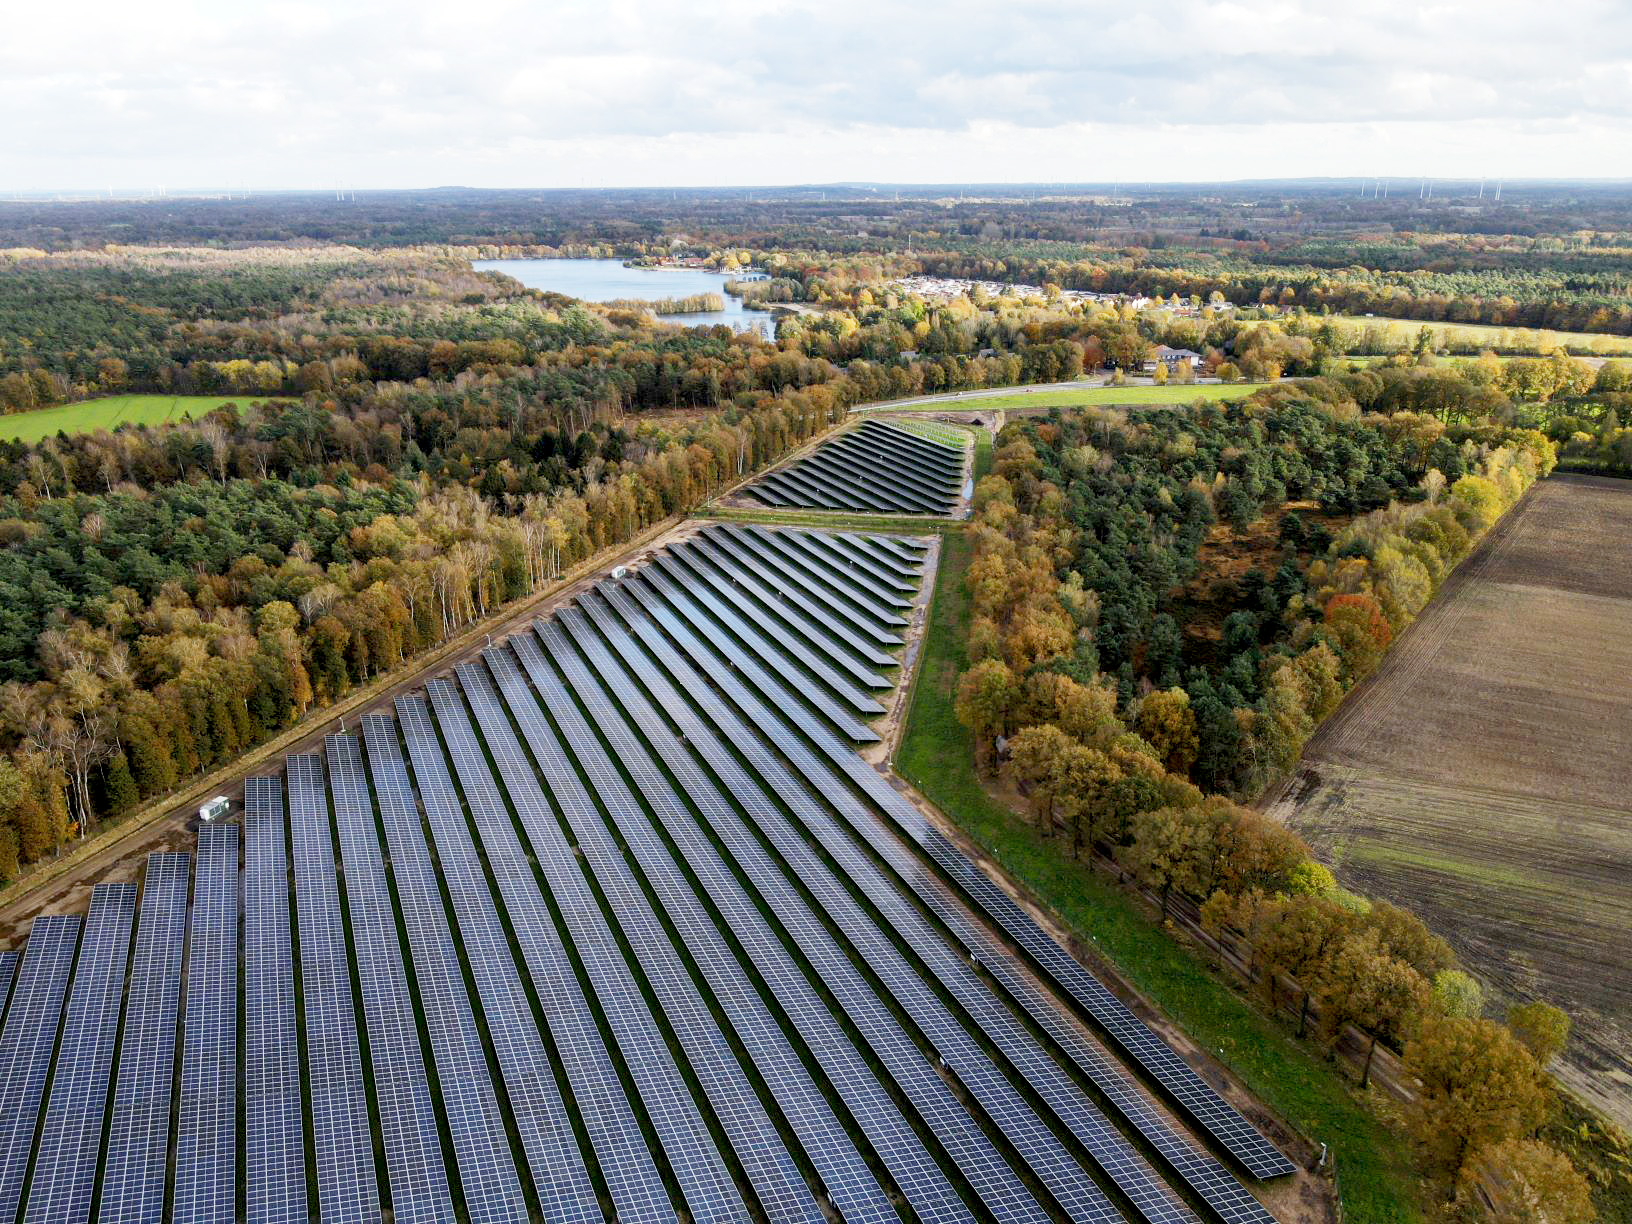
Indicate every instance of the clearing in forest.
{"type": "Point", "coordinates": [109, 413]}
{"type": "Point", "coordinates": [1483, 775]}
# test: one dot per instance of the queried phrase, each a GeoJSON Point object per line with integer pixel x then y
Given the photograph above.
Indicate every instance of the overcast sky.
{"type": "Point", "coordinates": [567, 93]}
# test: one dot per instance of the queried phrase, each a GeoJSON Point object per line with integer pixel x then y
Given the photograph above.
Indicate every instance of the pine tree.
{"type": "Point", "coordinates": [121, 785]}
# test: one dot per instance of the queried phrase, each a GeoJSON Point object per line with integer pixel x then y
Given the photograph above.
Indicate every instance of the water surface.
{"type": "Point", "coordinates": [608, 280]}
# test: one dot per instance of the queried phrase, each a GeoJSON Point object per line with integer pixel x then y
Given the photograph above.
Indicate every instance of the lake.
{"type": "Point", "coordinates": [608, 280]}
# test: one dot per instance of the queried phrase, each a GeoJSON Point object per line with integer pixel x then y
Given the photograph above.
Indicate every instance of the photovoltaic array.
{"type": "Point", "coordinates": [612, 922]}
{"type": "Point", "coordinates": [874, 468]}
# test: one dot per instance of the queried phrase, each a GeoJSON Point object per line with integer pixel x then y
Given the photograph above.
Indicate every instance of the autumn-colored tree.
{"type": "Point", "coordinates": [1036, 761]}
{"type": "Point", "coordinates": [1360, 631]}
{"type": "Point", "coordinates": [1167, 722]}
{"type": "Point", "coordinates": [1362, 984]}
{"type": "Point", "coordinates": [1406, 936]}
{"type": "Point", "coordinates": [1087, 777]}
{"type": "Point", "coordinates": [986, 696]}
{"type": "Point", "coordinates": [1458, 994]}
{"type": "Point", "coordinates": [1167, 845]}
{"type": "Point", "coordinates": [1525, 1181]}
{"type": "Point", "coordinates": [1543, 1029]}
{"type": "Point", "coordinates": [1086, 713]}
{"type": "Point", "coordinates": [1478, 1086]}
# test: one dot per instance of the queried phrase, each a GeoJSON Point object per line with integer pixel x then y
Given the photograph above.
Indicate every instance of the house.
{"type": "Point", "coordinates": [1172, 358]}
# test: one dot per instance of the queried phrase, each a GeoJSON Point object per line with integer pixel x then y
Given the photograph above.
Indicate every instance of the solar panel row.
{"type": "Point", "coordinates": [903, 983]}
{"type": "Point", "coordinates": [347, 1184]}
{"type": "Point", "coordinates": [489, 1182]}
{"type": "Point", "coordinates": [911, 1166]}
{"type": "Point", "coordinates": [71, 1140]}
{"type": "Point", "coordinates": [415, 1173]}
{"type": "Point", "coordinates": [559, 1174]}
{"type": "Point", "coordinates": [862, 612]}
{"type": "Point", "coordinates": [862, 585]}
{"type": "Point", "coordinates": [734, 610]}
{"type": "Point", "coordinates": [874, 467]}
{"type": "Point", "coordinates": [206, 1177]}
{"type": "Point", "coordinates": [841, 643]}
{"type": "Point", "coordinates": [959, 1134]}
{"type": "Point", "coordinates": [8, 971]}
{"type": "Point", "coordinates": [693, 1157]}
{"type": "Point", "coordinates": [138, 1148]}
{"type": "Point", "coordinates": [275, 1150]}
{"type": "Point", "coordinates": [26, 1041]}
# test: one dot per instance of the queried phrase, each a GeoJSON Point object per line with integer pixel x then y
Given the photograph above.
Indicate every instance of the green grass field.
{"type": "Point", "coordinates": [1131, 397]}
{"type": "Point", "coordinates": [1379, 1185]}
{"type": "Point", "coordinates": [112, 412]}
{"type": "Point", "coordinates": [1474, 338]}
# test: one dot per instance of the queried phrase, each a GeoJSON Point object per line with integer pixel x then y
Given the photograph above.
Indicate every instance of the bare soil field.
{"type": "Point", "coordinates": [1483, 774]}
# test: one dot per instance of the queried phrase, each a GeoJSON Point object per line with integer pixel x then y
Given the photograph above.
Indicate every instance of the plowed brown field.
{"type": "Point", "coordinates": [1483, 774]}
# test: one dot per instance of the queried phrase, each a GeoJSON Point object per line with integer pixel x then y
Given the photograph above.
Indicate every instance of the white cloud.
{"type": "Point", "coordinates": [625, 92]}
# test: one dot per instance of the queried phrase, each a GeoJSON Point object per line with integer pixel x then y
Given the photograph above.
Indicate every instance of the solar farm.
{"type": "Point", "coordinates": [875, 468]}
{"type": "Point", "coordinates": [612, 922]}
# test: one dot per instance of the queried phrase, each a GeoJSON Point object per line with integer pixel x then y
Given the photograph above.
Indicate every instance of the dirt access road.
{"type": "Point", "coordinates": [1483, 774]}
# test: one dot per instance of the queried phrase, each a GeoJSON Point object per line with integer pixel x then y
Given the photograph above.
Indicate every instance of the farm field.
{"type": "Point", "coordinates": [675, 951]}
{"type": "Point", "coordinates": [1483, 775]}
{"type": "Point", "coordinates": [1473, 338]}
{"type": "Point", "coordinates": [112, 412]}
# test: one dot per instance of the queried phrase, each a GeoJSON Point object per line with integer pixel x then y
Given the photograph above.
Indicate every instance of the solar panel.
{"type": "Point", "coordinates": [861, 562]}
{"type": "Point", "coordinates": [817, 653]}
{"type": "Point", "coordinates": [1053, 1164]}
{"type": "Point", "coordinates": [25, 1045]}
{"type": "Point", "coordinates": [777, 1182]}
{"type": "Point", "coordinates": [742, 586]}
{"type": "Point", "coordinates": [844, 1173]}
{"type": "Point", "coordinates": [831, 488]}
{"type": "Point", "coordinates": [347, 1186]}
{"type": "Point", "coordinates": [742, 549]}
{"type": "Point", "coordinates": [763, 646]}
{"type": "Point", "coordinates": [907, 551]}
{"type": "Point", "coordinates": [705, 1179]}
{"type": "Point", "coordinates": [614, 1132]}
{"type": "Point", "coordinates": [8, 970]}
{"type": "Point", "coordinates": [976, 1157]}
{"type": "Point", "coordinates": [275, 1152]}
{"type": "Point", "coordinates": [927, 448]}
{"type": "Point", "coordinates": [139, 1133]}
{"type": "Point", "coordinates": [842, 486]}
{"type": "Point", "coordinates": [804, 549]}
{"type": "Point", "coordinates": [487, 1171]}
{"type": "Point", "coordinates": [1225, 1195]}
{"type": "Point", "coordinates": [1191, 1093]}
{"type": "Point", "coordinates": [887, 472]}
{"type": "Point", "coordinates": [414, 1169]}
{"type": "Point", "coordinates": [562, 1182]}
{"type": "Point", "coordinates": [65, 1163]}
{"type": "Point", "coordinates": [873, 468]}
{"type": "Point", "coordinates": [911, 473]}
{"type": "Point", "coordinates": [206, 1175]}
{"type": "Point", "coordinates": [856, 1085]}
{"type": "Point", "coordinates": [859, 607]}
